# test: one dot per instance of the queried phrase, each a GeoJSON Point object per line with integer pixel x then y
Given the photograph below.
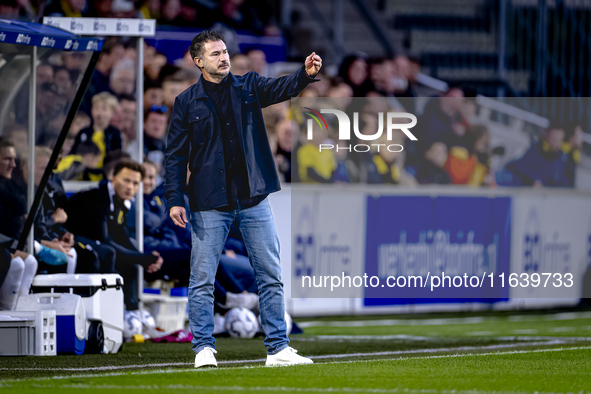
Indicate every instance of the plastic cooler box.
{"type": "Point", "coordinates": [70, 318]}
{"type": "Point", "coordinates": [102, 296]}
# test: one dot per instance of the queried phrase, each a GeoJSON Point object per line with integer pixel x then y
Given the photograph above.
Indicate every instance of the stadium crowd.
{"type": "Point", "coordinates": [453, 147]}
{"type": "Point", "coordinates": [102, 144]}
{"type": "Point", "coordinates": [258, 17]}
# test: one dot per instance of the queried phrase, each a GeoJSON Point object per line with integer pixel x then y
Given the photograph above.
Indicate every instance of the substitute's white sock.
{"type": "Point", "coordinates": [72, 261]}
{"type": "Point", "coordinates": [28, 275]}
{"type": "Point", "coordinates": [12, 283]}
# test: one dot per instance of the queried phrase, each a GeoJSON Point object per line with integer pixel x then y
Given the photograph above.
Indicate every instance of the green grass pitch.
{"type": "Point", "coordinates": [452, 353]}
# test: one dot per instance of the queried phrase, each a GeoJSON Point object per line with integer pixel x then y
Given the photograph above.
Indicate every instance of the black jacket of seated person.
{"type": "Point", "coordinates": [99, 215]}
{"type": "Point", "coordinates": [92, 258]}
{"type": "Point", "coordinates": [13, 207]}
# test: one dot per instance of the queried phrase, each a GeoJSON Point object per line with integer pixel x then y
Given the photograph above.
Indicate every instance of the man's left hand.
{"type": "Point", "coordinates": [313, 64]}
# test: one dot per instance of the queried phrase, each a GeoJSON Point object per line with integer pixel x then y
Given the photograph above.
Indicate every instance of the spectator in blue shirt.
{"type": "Point", "coordinates": [544, 164]}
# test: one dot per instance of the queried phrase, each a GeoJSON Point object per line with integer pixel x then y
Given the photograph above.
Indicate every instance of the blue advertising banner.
{"type": "Point", "coordinates": [440, 249]}
{"type": "Point", "coordinates": [35, 34]}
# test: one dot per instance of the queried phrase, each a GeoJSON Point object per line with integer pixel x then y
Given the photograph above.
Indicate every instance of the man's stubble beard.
{"type": "Point", "coordinates": [213, 71]}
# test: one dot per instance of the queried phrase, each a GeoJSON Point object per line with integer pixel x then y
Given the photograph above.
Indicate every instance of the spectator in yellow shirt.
{"type": "Point", "coordinates": [316, 165]}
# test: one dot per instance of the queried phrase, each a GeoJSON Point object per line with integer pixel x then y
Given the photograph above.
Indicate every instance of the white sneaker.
{"type": "Point", "coordinates": [287, 356]}
{"type": "Point", "coordinates": [205, 358]}
{"type": "Point", "coordinates": [242, 300]}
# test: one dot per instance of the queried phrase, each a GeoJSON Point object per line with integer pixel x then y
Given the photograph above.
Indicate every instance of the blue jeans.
{"type": "Point", "coordinates": [209, 230]}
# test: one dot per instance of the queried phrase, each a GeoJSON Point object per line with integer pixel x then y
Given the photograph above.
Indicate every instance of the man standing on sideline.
{"type": "Point", "coordinates": [217, 129]}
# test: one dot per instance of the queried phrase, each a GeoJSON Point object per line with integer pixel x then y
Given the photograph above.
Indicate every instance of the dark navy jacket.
{"type": "Point", "coordinates": [194, 137]}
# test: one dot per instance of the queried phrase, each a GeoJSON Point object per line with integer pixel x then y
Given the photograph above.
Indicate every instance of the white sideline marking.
{"type": "Point", "coordinates": [440, 350]}
{"type": "Point", "coordinates": [561, 329]}
{"type": "Point", "coordinates": [363, 337]}
{"type": "Point", "coordinates": [556, 341]}
{"type": "Point", "coordinates": [526, 331]}
{"type": "Point", "coordinates": [118, 367]}
{"type": "Point", "coordinates": [569, 316]}
{"type": "Point", "coordinates": [342, 338]}
{"type": "Point", "coordinates": [478, 333]}
{"type": "Point", "coordinates": [6, 383]}
{"type": "Point", "coordinates": [393, 322]}
{"type": "Point", "coordinates": [443, 321]}
{"type": "Point", "coordinates": [539, 338]}
{"type": "Point", "coordinates": [294, 389]}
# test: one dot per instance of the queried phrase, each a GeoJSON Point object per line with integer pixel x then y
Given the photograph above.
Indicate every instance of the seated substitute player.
{"type": "Point", "coordinates": [16, 269]}
{"type": "Point", "coordinates": [101, 214]}
{"type": "Point", "coordinates": [217, 130]}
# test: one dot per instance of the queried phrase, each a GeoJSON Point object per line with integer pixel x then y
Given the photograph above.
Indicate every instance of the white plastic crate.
{"type": "Point", "coordinates": [28, 333]}
{"type": "Point", "coordinates": [70, 317]}
{"type": "Point", "coordinates": [169, 313]}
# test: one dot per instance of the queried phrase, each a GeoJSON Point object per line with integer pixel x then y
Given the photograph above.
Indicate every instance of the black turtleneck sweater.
{"type": "Point", "coordinates": [236, 175]}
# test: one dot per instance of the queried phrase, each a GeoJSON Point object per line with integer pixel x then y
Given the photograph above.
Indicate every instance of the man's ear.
{"type": "Point", "coordinates": [198, 62]}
